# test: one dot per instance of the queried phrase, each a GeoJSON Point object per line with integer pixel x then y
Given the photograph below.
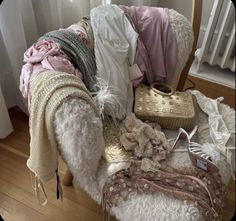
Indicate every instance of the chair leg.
{"type": "Point", "coordinates": [67, 179]}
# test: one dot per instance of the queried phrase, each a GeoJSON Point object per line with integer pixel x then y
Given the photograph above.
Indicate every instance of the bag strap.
{"type": "Point", "coordinates": [161, 92]}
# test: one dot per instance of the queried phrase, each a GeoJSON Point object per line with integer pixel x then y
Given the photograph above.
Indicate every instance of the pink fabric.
{"type": "Point", "coordinates": [135, 74]}
{"type": "Point", "coordinates": [28, 71]}
{"type": "Point", "coordinates": [60, 63]}
{"type": "Point", "coordinates": [156, 53]}
{"type": "Point", "coordinates": [80, 31]}
{"type": "Point", "coordinates": [38, 51]}
{"type": "Point", "coordinates": [41, 56]}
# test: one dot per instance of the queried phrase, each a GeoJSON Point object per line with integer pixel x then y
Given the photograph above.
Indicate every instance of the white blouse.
{"type": "Point", "coordinates": [115, 46]}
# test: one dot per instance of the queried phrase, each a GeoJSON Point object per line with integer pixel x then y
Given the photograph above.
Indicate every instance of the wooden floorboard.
{"type": "Point", "coordinates": [17, 198]}
{"type": "Point", "coordinates": [14, 210]}
{"type": "Point", "coordinates": [15, 182]}
{"type": "Point", "coordinates": [214, 90]}
{"type": "Point", "coordinates": [16, 188]}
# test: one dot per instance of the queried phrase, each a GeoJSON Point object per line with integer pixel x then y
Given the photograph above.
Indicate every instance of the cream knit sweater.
{"type": "Point", "coordinates": [48, 91]}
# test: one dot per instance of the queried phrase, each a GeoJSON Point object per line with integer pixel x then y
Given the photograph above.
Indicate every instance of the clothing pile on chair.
{"type": "Point", "coordinates": [77, 78]}
{"type": "Point", "coordinates": [106, 50]}
{"type": "Point", "coordinates": [59, 66]}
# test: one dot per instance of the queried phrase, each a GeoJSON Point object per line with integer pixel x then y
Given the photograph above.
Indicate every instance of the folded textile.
{"type": "Point", "coordinates": [144, 140]}
{"type": "Point", "coordinates": [79, 53]}
{"type": "Point", "coordinates": [41, 56]}
{"type": "Point", "coordinates": [84, 30]}
{"type": "Point", "coordinates": [38, 51]}
{"type": "Point", "coordinates": [156, 53]}
{"type": "Point", "coordinates": [79, 30]}
{"type": "Point", "coordinates": [85, 22]}
{"type": "Point", "coordinates": [115, 45]}
{"type": "Point", "coordinates": [203, 189]}
{"type": "Point", "coordinates": [48, 92]}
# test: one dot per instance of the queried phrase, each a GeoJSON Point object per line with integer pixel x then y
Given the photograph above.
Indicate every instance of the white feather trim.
{"type": "Point", "coordinates": [105, 99]}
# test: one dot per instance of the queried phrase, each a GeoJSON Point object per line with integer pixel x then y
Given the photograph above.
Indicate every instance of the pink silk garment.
{"type": "Point", "coordinates": [156, 53]}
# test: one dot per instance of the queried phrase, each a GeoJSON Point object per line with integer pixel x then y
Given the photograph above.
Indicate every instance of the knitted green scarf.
{"type": "Point", "coordinates": [80, 55]}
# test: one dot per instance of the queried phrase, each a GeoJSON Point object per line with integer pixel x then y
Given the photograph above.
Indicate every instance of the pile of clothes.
{"type": "Point", "coordinates": [117, 45]}
{"type": "Point", "coordinates": [99, 60]}
{"type": "Point", "coordinates": [77, 78]}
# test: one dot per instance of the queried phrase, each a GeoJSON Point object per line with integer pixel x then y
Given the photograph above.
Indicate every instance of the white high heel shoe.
{"type": "Point", "coordinates": [198, 158]}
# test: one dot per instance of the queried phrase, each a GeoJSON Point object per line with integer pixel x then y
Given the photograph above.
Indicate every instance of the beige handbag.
{"type": "Point", "coordinates": [160, 103]}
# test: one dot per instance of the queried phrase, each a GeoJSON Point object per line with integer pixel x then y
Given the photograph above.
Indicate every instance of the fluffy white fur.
{"type": "Point", "coordinates": [155, 208]}
{"type": "Point", "coordinates": [80, 137]}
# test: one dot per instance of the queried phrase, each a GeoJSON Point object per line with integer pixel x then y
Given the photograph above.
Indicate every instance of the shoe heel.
{"type": "Point", "coordinates": [180, 135]}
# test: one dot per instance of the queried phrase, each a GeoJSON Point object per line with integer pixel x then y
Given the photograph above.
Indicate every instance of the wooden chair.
{"type": "Point", "coordinates": [196, 21]}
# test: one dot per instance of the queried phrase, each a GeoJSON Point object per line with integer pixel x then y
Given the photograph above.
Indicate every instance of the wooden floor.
{"type": "Point", "coordinates": [17, 200]}
{"type": "Point", "coordinates": [214, 90]}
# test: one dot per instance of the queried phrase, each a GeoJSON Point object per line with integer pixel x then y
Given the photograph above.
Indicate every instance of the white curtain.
{"type": "Point", "coordinates": [6, 126]}
{"type": "Point", "coordinates": [21, 23]}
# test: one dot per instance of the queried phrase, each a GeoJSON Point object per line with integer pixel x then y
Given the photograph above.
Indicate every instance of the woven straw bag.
{"type": "Point", "coordinates": [171, 109]}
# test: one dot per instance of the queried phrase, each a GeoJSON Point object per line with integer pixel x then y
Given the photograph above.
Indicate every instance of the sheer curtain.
{"type": "Point", "coordinates": [6, 126]}
{"type": "Point", "coordinates": [21, 23]}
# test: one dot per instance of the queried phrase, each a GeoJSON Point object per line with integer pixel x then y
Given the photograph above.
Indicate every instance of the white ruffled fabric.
{"type": "Point", "coordinates": [220, 132]}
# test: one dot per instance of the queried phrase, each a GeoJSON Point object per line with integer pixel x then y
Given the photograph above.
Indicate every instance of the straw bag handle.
{"type": "Point", "coordinates": [161, 92]}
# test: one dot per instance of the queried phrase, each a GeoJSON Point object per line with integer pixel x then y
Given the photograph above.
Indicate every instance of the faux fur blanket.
{"type": "Point", "coordinates": [46, 89]}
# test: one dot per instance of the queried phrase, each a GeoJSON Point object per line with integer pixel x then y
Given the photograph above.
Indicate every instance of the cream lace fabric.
{"type": "Point", "coordinates": [134, 139]}
{"type": "Point", "coordinates": [143, 139]}
{"type": "Point", "coordinates": [220, 130]}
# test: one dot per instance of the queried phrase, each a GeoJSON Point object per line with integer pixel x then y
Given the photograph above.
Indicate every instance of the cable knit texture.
{"type": "Point", "coordinates": [79, 53]}
{"type": "Point", "coordinates": [49, 90]}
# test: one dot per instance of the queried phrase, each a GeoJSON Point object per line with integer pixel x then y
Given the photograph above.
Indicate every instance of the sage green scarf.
{"type": "Point", "coordinates": [80, 55]}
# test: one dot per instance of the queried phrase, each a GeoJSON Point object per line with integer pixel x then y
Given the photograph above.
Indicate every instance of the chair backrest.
{"type": "Point", "coordinates": [196, 22]}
